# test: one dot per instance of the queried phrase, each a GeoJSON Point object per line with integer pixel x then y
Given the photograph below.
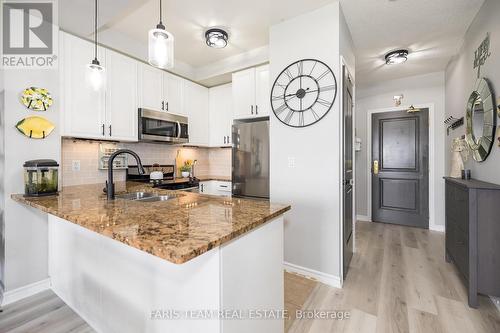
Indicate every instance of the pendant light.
{"type": "Point", "coordinates": [161, 46]}
{"type": "Point", "coordinates": [95, 73]}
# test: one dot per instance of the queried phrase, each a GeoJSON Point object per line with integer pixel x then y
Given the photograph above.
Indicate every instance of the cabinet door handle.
{"type": "Point", "coordinates": [228, 139]}
{"type": "Point", "coordinates": [202, 187]}
{"type": "Point", "coordinates": [251, 109]}
{"type": "Point", "coordinates": [103, 130]}
{"type": "Point", "coordinates": [224, 139]}
{"type": "Point", "coordinates": [256, 109]}
{"type": "Point", "coordinates": [162, 105]}
{"type": "Point", "coordinates": [167, 106]}
{"type": "Point", "coordinates": [110, 130]}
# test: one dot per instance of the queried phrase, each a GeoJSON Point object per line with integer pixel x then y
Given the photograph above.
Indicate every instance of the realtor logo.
{"type": "Point", "coordinates": [28, 31]}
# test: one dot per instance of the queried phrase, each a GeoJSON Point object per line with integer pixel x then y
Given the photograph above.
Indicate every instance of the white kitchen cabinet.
{"type": "Point", "coordinates": [262, 91]}
{"type": "Point", "coordinates": [173, 93]}
{"type": "Point", "coordinates": [150, 88]}
{"type": "Point", "coordinates": [83, 115]}
{"type": "Point", "coordinates": [107, 114]}
{"type": "Point", "coordinates": [220, 115]}
{"type": "Point", "coordinates": [243, 88]}
{"type": "Point", "coordinates": [196, 108]}
{"type": "Point", "coordinates": [215, 187]}
{"type": "Point", "coordinates": [121, 97]}
{"type": "Point", "coordinates": [250, 90]}
{"type": "Point", "coordinates": [160, 90]}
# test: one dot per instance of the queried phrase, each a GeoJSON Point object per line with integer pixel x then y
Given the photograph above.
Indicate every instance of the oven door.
{"type": "Point", "coordinates": [162, 126]}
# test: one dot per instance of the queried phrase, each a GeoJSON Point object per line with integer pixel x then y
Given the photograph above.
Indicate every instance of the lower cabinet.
{"type": "Point", "coordinates": [215, 187]}
{"type": "Point", "coordinates": [472, 234]}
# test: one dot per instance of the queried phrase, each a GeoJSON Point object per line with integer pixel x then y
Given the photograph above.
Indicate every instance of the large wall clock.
{"type": "Point", "coordinates": [303, 93]}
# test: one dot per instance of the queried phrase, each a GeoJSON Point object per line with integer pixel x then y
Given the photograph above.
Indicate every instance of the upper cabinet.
{"type": "Point", "coordinates": [107, 114]}
{"type": "Point", "coordinates": [160, 90]}
{"type": "Point", "coordinates": [196, 107]}
{"type": "Point", "coordinates": [220, 115]}
{"type": "Point", "coordinates": [150, 87]}
{"type": "Point", "coordinates": [250, 89]}
{"type": "Point", "coordinates": [121, 97]}
{"type": "Point", "coordinates": [173, 93]}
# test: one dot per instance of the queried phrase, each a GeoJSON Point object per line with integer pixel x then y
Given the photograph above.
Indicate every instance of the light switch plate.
{"type": "Point", "coordinates": [75, 165]}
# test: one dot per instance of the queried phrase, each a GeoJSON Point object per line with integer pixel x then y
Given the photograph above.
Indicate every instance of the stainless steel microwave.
{"type": "Point", "coordinates": [162, 127]}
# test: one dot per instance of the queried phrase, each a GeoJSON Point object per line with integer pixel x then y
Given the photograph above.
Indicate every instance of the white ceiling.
{"type": "Point", "coordinates": [432, 30]}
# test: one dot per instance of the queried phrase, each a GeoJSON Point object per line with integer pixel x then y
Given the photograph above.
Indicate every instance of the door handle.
{"type": "Point", "coordinates": [375, 167]}
{"type": "Point", "coordinates": [167, 106]}
{"type": "Point", "coordinates": [110, 130]}
{"type": "Point", "coordinates": [256, 109]}
{"type": "Point", "coordinates": [179, 129]}
{"type": "Point", "coordinates": [103, 130]}
{"type": "Point", "coordinates": [163, 105]}
{"type": "Point", "coordinates": [224, 139]}
{"type": "Point", "coordinates": [251, 109]}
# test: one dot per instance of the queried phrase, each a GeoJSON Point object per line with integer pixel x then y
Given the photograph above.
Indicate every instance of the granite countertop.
{"type": "Point", "coordinates": [176, 230]}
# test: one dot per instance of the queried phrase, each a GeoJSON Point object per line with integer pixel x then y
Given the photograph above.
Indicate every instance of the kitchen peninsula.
{"type": "Point", "coordinates": [165, 266]}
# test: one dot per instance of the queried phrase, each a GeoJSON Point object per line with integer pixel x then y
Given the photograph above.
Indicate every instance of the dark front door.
{"type": "Point", "coordinates": [400, 177]}
{"type": "Point", "coordinates": [348, 174]}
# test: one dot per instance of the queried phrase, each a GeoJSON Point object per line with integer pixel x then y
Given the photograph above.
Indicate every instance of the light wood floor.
{"type": "Point", "coordinates": [398, 282]}
{"type": "Point", "coordinates": [41, 313]}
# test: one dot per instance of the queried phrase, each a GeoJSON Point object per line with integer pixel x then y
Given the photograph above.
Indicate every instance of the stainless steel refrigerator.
{"type": "Point", "coordinates": [251, 158]}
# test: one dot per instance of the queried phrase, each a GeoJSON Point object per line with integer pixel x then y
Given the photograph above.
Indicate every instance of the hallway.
{"type": "Point", "coordinates": [398, 282]}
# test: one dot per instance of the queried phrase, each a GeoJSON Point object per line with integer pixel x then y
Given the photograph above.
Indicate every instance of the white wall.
{"type": "Point", "coordinates": [26, 228]}
{"type": "Point", "coordinates": [421, 89]}
{"type": "Point", "coordinates": [461, 77]}
{"type": "Point", "coordinates": [312, 228]}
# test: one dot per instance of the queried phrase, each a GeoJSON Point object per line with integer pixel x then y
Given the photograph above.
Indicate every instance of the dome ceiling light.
{"type": "Point", "coordinates": [216, 38]}
{"type": "Point", "coordinates": [396, 57]}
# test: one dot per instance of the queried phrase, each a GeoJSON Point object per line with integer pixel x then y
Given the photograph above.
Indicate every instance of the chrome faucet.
{"type": "Point", "coordinates": [110, 186]}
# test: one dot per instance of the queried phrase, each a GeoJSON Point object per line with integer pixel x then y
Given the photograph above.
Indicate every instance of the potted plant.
{"type": "Point", "coordinates": [186, 168]}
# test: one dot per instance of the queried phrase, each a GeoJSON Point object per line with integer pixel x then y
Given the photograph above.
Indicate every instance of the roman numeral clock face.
{"type": "Point", "coordinates": [303, 93]}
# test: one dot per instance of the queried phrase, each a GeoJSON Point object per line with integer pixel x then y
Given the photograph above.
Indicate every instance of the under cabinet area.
{"type": "Point", "coordinates": [472, 233]}
{"type": "Point", "coordinates": [250, 92]}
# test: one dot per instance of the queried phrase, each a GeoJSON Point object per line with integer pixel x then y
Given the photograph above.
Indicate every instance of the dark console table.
{"type": "Point", "coordinates": [473, 234]}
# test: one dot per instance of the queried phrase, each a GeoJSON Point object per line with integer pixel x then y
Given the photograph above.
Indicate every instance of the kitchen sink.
{"type": "Point", "coordinates": [135, 196]}
{"type": "Point", "coordinates": [145, 197]}
{"type": "Point", "coordinates": [158, 198]}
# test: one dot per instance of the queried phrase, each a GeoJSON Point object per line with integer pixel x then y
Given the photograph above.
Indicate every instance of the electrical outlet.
{"type": "Point", "coordinates": [291, 162]}
{"type": "Point", "coordinates": [75, 165]}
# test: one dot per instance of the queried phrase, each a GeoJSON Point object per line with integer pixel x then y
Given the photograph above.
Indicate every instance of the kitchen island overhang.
{"type": "Point", "coordinates": [117, 287]}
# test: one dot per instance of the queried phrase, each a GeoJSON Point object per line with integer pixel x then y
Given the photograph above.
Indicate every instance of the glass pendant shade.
{"type": "Point", "coordinates": [95, 75]}
{"type": "Point", "coordinates": [161, 48]}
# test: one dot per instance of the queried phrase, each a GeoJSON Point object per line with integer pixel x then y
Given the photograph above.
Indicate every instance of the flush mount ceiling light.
{"type": "Point", "coordinates": [396, 57]}
{"type": "Point", "coordinates": [161, 46]}
{"type": "Point", "coordinates": [95, 73]}
{"type": "Point", "coordinates": [216, 38]}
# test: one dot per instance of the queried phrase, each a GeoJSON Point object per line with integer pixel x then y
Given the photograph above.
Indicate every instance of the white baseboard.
{"type": "Point", "coordinates": [25, 291]}
{"type": "Point", "coordinates": [435, 227]}
{"type": "Point", "coordinates": [363, 218]}
{"type": "Point", "coordinates": [328, 279]}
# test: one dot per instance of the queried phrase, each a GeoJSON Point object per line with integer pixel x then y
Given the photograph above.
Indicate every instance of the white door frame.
{"type": "Point", "coordinates": [432, 163]}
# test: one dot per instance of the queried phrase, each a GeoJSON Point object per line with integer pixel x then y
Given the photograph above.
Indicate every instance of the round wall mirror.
{"type": "Point", "coordinates": [480, 120]}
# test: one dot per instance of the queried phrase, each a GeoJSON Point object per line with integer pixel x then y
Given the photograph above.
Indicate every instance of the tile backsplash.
{"type": "Point", "coordinates": [80, 160]}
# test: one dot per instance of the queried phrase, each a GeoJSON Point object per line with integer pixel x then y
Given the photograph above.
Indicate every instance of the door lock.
{"type": "Point", "coordinates": [375, 167]}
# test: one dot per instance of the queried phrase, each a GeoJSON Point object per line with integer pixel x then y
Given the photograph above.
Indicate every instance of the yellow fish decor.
{"type": "Point", "coordinates": [35, 127]}
{"type": "Point", "coordinates": [36, 99]}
